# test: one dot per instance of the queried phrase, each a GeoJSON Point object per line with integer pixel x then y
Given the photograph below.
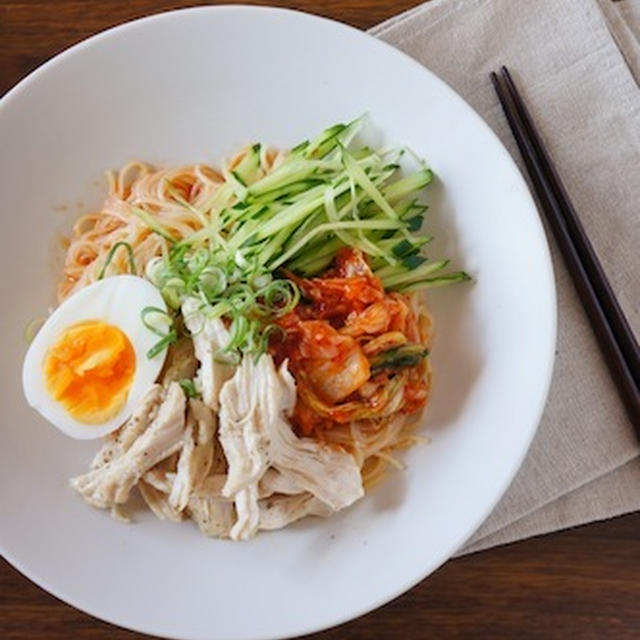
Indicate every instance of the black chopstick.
{"type": "Point", "coordinates": [607, 298]}
{"type": "Point", "coordinates": [609, 324]}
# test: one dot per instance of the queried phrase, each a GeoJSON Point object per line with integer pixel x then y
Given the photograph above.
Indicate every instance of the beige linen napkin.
{"type": "Point", "coordinates": [577, 63]}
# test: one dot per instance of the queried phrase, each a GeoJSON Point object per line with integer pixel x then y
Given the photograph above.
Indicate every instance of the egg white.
{"type": "Point", "coordinates": [119, 301]}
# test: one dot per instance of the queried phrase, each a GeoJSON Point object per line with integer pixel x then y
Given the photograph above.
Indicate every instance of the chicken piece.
{"type": "Point", "coordinates": [119, 441]}
{"type": "Point", "coordinates": [255, 435]}
{"type": "Point", "coordinates": [329, 474]}
{"type": "Point", "coordinates": [219, 464]}
{"type": "Point", "coordinates": [271, 482]}
{"type": "Point", "coordinates": [196, 455]}
{"type": "Point", "coordinates": [161, 476]}
{"type": "Point", "coordinates": [209, 336]}
{"type": "Point", "coordinates": [158, 502]}
{"type": "Point", "coordinates": [244, 441]}
{"type": "Point", "coordinates": [274, 482]}
{"type": "Point", "coordinates": [247, 513]}
{"type": "Point", "coordinates": [214, 517]}
{"type": "Point", "coordinates": [241, 433]}
{"type": "Point", "coordinates": [181, 362]}
{"type": "Point", "coordinates": [112, 483]}
{"type": "Point", "coordinates": [119, 512]}
{"type": "Point", "coordinates": [280, 511]}
{"type": "Point", "coordinates": [211, 487]}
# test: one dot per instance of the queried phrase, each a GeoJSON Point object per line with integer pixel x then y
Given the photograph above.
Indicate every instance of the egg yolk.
{"type": "Point", "coordinates": [89, 370]}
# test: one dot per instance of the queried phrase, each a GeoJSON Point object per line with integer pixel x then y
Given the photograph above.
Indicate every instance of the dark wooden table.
{"type": "Point", "coordinates": [583, 583]}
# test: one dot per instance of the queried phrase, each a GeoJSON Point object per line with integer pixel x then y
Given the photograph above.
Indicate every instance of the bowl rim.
{"type": "Point", "coordinates": [545, 263]}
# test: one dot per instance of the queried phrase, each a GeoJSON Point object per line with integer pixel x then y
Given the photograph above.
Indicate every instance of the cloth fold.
{"type": "Point", "coordinates": [577, 63]}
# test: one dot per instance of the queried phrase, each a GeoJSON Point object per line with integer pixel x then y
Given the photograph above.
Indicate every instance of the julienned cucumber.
{"type": "Point", "coordinates": [324, 194]}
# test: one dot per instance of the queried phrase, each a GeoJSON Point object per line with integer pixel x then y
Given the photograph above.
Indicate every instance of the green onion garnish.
{"type": "Point", "coordinates": [326, 194]}
{"type": "Point", "coordinates": [109, 258]}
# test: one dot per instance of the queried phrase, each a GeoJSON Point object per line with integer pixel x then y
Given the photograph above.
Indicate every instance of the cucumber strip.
{"type": "Point", "coordinates": [361, 179]}
{"type": "Point", "coordinates": [249, 170]}
{"type": "Point", "coordinates": [288, 191]}
{"type": "Point", "coordinates": [415, 222]}
{"type": "Point", "coordinates": [438, 281]}
{"type": "Point", "coordinates": [220, 199]}
{"type": "Point", "coordinates": [408, 246]}
{"type": "Point", "coordinates": [314, 267]}
{"type": "Point", "coordinates": [330, 139]}
{"type": "Point", "coordinates": [351, 131]}
{"type": "Point", "coordinates": [273, 245]}
{"type": "Point", "coordinates": [408, 263]}
{"type": "Point", "coordinates": [318, 250]}
{"type": "Point", "coordinates": [318, 217]}
{"type": "Point", "coordinates": [154, 225]}
{"type": "Point", "coordinates": [239, 189]}
{"type": "Point", "coordinates": [332, 226]}
{"type": "Point", "coordinates": [290, 172]}
{"type": "Point", "coordinates": [300, 147]}
{"type": "Point", "coordinates": [413, 209]}
{"type": "Point", "coordinates": [332, 215]}
{"type": "Point", "coordinates": [407, 277]}
{"type": "Point", "coordinates": [359, 241]}
{"type": "Point", "coordinates": [325, 142]}
{"type": "Point", "coordinates": [210, 232]}
{"type": "Point", "coordinates": [403, 187]}
{"type": "Point", "coordinates": [175, 194]}
{"type": "Point", "coordinates": [298, 212]}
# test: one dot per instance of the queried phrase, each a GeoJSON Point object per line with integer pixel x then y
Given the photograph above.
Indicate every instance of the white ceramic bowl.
{"type": "Point", "coordinates": [193, 86]}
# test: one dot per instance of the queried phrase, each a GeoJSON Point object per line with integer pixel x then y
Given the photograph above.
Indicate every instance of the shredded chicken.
{"type": "Point", "coordinates": [181, 362]}
{"type": "Point", "coordinates": [209, 335]}
{"type": "Point", "coordinates": [112, 483]}
{"type": "Point", "coordinates": [247, 513]}
{"type": "Point", "coordinates": [214, 517]}
{"type": "Point", "coordinates": [255, 435]}
{"type": "Point", "coordinates": [196, 455]}
{"type": "Point", "coordinates": [281, 511]}
{"type": "Point", "coordinates": [158, 502]}
{"type": "Point", "coordinates": [161, 476]}
{"type": "Point", "coordinates": [274, 482]}
{"type": "Point", "coordinates": [256, 474]}
{"type": "Point", "coordinates": [121, 440]}
{"type": "Point", "coordinates": [271, 482]}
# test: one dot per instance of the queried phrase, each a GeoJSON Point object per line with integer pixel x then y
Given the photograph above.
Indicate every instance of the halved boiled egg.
{"type": "Point", "coordinates": [87, 367]}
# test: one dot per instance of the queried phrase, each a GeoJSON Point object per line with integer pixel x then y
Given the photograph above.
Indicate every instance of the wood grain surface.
{"type": "Point", "coordinates": [583, 583]}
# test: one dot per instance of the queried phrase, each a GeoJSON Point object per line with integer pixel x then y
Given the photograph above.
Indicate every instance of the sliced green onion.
{"type": "Point", "coordinates": [267, 333]}
{"type": "Point", "coordinates": [162, 344]}
{"type": "Point", "coordinates": [159, 319]}
{"type": "Point", "coordinates": [155, 270]}
{"type": "Point", "coordinates": [212, 282]}
{"type": "Point", "coordinates": [154, 319]}
{"type": "Point", "coordinates": [278, 298]}
{"type": "Point", "coordinates": [109, 258]}
{"type": "Point", "coordinates": [189, 388]}
{"type": "Point", "coordinates": [260, 280]}
{"type": "Point", "coordinates": [173, 291]}
{"type": "Point", "coordinates": [241, 296]}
